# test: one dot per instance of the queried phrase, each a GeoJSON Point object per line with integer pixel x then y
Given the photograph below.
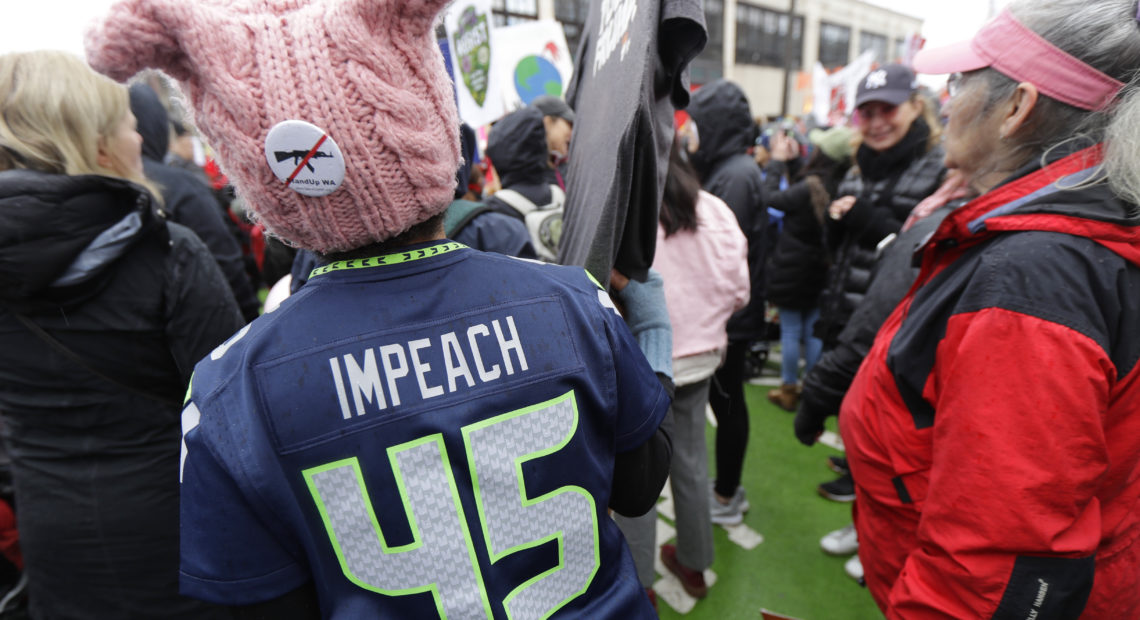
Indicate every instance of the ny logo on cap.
{"type": "Point", "coordinates": [877, 79]}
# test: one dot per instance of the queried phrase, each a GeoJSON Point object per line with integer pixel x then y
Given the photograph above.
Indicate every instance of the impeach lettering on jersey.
{"type": "Point", "coordinates": [463, 361]}
{"type": "Point", "coordinates": [351, 385]}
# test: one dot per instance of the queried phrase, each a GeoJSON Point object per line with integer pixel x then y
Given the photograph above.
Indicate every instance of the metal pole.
{"type": "Point", "coordinates": [789, 48]}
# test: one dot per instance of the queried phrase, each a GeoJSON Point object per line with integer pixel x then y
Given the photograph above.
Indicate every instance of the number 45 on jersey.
{"type": "Point", "coordinates": [442, 559]}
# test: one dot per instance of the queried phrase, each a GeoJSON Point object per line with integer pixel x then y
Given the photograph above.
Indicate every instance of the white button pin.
{"type": "Point", "coordinates": [305, 157]}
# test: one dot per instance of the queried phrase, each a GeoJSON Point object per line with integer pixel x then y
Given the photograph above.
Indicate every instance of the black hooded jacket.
{"type": "Point", "coordinates": [487, 230]}
{"type": "Point", "coordinates": [187, 200]}
{"type": "Point", "coordinates": [724, 123]}
{"type": "Point", "coordinates": [517, 148]}
{"type": "Point", "coordinates": [95, 463]}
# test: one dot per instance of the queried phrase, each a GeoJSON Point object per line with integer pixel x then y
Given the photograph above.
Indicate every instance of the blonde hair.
{"type": "Point", "coordinates": [55, 112]}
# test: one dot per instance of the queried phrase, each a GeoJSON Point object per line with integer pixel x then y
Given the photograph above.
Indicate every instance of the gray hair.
{"type": "Point", "coordinates": [1105, 35]}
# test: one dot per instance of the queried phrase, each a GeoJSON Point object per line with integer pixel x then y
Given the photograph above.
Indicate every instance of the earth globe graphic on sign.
{"type": "Point", "coordinates": [536, 76]}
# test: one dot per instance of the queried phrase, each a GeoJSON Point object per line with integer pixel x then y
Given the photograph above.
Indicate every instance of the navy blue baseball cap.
{"type": "Point", "coordinates": [892, 84]}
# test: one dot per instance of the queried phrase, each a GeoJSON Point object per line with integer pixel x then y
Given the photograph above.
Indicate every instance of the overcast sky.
{"type": "Point", "coordinates": [945, 22]}
{"type": "Point", "coordinates": [59, 24]}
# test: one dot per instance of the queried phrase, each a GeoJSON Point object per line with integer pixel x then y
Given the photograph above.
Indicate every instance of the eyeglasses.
{"type": "Point", "coordinates": [954, 85]}
{"type": "Point", "coordinates": [869, 111]}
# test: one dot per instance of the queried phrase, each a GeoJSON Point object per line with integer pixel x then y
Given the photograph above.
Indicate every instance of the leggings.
{"type": "Point", "coordinates": [726, 395]}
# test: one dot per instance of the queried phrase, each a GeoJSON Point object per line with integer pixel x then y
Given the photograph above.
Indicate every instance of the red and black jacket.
{"type": "Point", "coordinates": [994, 428]}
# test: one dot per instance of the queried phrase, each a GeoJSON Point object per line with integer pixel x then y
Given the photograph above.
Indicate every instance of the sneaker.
{"type": "Point", "coordinates": [731, 513]}
{"type": "Point", "coordinates": [838, 464]}
{"type": "Point", "coordinates": [842, 489]}
{"type": "Point", "coordinates": [840, 542]}
{"type": "Point", "coordinates": [693, 581]}
{"type": "Point", "coordinates": [854, 570]}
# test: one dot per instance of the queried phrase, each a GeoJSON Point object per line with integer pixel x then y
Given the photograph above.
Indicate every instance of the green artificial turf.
{"type": "Point", "coordinates": [787, 573]}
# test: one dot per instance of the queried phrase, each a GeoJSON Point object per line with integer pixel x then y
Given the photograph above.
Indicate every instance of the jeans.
{"type": "Point", "coordinates": [795, 329]}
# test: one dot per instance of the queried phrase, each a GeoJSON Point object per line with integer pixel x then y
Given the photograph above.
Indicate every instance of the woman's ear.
{"type": "Point", "coordinates": [103, 156]}
{"type": "Point", "coordinates": [1020, 107]}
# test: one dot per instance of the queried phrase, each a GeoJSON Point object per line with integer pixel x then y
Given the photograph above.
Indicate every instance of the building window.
{"type": "Point", "coordinates": [714, 21]}
{"type": "Point", "coordinates": [762, 37]}
{"type": "Point", "coordinates": [900, 50]}
{"type": "Point", "coordinates": [834, 45]}
{"type": "Point", "coordinates": [572, 15]}
{"type": "Point", "coordinates": [709, 65]}
{"type": "Point", "coordinates": [510, 12]}
{"type": "Point", "coordinates": [876, 42]}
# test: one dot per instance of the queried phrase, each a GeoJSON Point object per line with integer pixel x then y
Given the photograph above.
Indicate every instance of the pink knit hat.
{"type": "Point", "coordinates": [366, 76]}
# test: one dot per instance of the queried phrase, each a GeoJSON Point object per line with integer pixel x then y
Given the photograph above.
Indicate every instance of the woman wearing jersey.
{"type": "Point", "coordinates": [423, 430]}
{"type": "Point", "coordinates": [993, 428]}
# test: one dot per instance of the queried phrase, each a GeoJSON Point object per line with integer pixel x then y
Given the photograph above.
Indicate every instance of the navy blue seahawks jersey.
{"type": "Point", "coordinates": [428, 433]}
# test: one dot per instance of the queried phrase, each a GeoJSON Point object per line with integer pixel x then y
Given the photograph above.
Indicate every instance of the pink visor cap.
{"type": "Point", "coordinates": [1017, 52]}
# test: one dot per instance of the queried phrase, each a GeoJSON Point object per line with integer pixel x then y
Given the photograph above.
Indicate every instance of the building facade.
{"type": "Point", "coordinates": [748, 40]}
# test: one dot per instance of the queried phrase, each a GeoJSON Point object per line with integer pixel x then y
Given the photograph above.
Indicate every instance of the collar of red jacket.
{"type": "Point", "coordinates": [1045, 200]}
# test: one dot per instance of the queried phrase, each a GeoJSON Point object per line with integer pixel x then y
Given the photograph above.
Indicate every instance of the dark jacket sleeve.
{"type": "Point", "coordinates": [640, 474]}
{"type": "Point", "coordinates": [191, 204]}
{"type": "Point", "coordinates": [773, 172]}
{"type": "Point", "coordinates": [795, 198]}
{"type": "Point", "coordinates": [871, 223]}
{"type": "Point", "coordinates": [776, 170]}
{"type": "Point", "coordinates": [200, 309]}
{"type": "Point", "coordinates": [827, 382]}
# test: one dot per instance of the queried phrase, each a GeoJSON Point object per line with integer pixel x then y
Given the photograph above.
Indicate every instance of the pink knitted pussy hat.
{"type": "Point", "coordinates": [366, 77]}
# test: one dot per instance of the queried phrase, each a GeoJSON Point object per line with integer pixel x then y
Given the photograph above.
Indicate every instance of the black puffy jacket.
{"type": "Point", "coordinates": [95, 464]}
{"type": "Point", "coordinates": [724, 122]}
{"type": "Point", "coordinates": [797, 269]}
{"type": "Point", "coordinates": [882, 207]}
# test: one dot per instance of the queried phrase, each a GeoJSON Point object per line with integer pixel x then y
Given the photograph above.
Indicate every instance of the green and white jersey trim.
{"type": "Point", "coordinates": [395, 258]}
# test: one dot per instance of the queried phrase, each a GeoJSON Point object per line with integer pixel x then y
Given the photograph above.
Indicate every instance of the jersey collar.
{"type": "Point", "coordinates": [395, 258]}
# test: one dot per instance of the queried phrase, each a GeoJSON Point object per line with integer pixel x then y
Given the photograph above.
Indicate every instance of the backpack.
{"type": "Point", "coordinates": [459, 213]}
{"type": "Point", "coordinates": [544, 223]}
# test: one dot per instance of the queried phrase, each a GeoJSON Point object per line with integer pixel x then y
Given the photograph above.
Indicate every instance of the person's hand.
{"type": "Point", "coordinates": [808, 424]}
{"type": "Point", "coordinates": [648, 318]}
{"type": "Point", "coordinates": [840, 206]}
{"type": "Point", "coordinates": [784, 147]}
{"type": "Point", "coordinates": [618, 280]}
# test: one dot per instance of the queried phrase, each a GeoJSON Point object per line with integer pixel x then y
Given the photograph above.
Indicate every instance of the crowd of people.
{"type": "Point", "coordinates": [416, 423]}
